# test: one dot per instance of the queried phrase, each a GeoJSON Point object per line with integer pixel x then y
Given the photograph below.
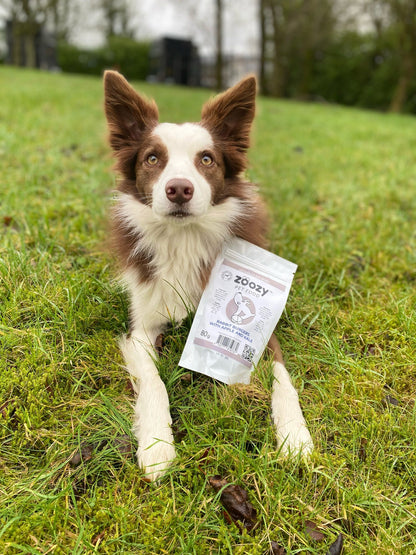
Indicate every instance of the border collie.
{"type": "Point", "coordinates": [181, 195]}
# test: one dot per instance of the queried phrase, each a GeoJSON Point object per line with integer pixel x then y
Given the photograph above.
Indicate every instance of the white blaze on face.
{"type": "Point", "coordinates": [183, 143]}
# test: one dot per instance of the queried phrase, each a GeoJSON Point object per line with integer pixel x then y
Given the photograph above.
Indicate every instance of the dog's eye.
{"type": "Point", "coordinates": [206, 160]}
{"type": "Point", "coordinates": [152, 160]}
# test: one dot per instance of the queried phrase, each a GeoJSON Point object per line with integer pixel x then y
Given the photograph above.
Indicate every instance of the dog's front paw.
{"type": "Point", "coordinates": [293, 437]}
{"type": "Point", "coordinates": [292, 434]}
{"type": "Point", "coordinates": [156, 458]}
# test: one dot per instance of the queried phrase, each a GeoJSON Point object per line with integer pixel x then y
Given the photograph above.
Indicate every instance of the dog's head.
{"type": "Point", "coordinates": [179, 170]}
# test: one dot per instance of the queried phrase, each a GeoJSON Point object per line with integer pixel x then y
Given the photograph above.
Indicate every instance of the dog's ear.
{"type": "Point", "coordinates": [228, 116]}
{"type": "Point", "coordinates": [128, 114]}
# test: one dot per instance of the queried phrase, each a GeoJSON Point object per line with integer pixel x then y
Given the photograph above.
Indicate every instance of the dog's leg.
{"type": "Point", "coordinates": [152, 420]}
{"type": "Point", "coordinates": [291, 430]}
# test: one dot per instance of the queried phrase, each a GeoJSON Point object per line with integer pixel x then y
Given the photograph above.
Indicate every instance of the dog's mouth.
{"type": "Point", "coordinates": [179, 214]}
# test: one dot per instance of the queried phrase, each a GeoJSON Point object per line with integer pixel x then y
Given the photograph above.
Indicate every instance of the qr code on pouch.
{"type": "Point", "coordinates": [248, 353]}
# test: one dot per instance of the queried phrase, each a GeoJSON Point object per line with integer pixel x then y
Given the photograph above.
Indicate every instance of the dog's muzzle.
{"type": "Point", "coordinates": [179, 192]}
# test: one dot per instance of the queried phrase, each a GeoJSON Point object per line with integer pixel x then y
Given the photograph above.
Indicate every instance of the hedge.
{"type": "Point", "coordinates": [126, 55]}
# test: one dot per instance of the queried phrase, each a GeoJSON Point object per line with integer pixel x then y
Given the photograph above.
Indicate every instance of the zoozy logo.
{"type": "Point", "coordinates": [251, 284]}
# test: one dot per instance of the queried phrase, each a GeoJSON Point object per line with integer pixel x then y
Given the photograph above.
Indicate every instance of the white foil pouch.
{"type": "Point", "coordinates": [239, 309]}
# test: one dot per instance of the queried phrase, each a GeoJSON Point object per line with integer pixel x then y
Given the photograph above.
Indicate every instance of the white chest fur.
{"type": "Point", "coordinates": [180, 251]}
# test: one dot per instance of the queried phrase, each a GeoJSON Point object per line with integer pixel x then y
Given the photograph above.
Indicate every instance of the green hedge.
{"type": "Point", "coordinates": [126, 55]}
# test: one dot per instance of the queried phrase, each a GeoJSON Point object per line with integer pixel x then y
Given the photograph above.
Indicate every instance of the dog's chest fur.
{"type": "Point", "coordinates": [178, 256]}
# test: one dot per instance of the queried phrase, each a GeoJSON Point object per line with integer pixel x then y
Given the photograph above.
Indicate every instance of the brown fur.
{"type": "Point", "coordinates": [124, 240]}
{"type": "Point", "coordinates": [228, 117]}
{"type": "Point", "coordinates": [129, 117]}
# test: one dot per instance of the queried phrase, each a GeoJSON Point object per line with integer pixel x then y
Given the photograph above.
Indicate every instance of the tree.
{"type": "Point", "coordinates": [394, 21]}
{"type": "Point", "coordinates": [263, 47]}
{"type": "Point", "coordinates": [219, 45]}
{"type": "Point", "coordinates": [28, 17]}
{"type": "Point", "coordinates": [275, 28]}
{"type": "Point", "coordinates": [403, 14]}
{"type": "Point", "coordinates": [292, 32]}
{"type": "Point", "coordinates": [117, 16]}
{"type": "Point", "coordinates": [61, 18]}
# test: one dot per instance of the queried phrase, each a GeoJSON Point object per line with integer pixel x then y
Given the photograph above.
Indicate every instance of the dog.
{"type": "Point", "coordinates": [181, 195]}
{"type": "Point", "coordinates": [243, 311]}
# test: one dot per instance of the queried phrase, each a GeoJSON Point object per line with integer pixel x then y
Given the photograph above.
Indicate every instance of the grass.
{"type": "Point", "coordinates": [340, 184]}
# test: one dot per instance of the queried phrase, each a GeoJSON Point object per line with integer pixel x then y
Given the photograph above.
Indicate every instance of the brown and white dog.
{"type": "Point", "coordinates": [180, 197]}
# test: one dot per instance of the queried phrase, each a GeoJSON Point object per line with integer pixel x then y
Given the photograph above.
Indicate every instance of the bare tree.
{"type": "Point", "coordinates": [61, 18]}
{"type": "Point", "coordinates": [273, 16]}
{"type": "Point", "coordinates": [28, 17]}
{"type": "Point", "coordinates": [219, 64]}
{"type": "Point", "coordinates": [116, 16]}
{"type": "Point", "coordinates": [263, 48]}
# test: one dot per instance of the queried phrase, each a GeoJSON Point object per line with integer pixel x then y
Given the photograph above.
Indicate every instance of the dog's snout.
{"type": "Point", "coordinates": [179, 190]}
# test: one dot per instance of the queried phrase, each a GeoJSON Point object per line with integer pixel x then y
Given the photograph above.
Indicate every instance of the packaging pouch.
{"type": "Point", "coordinates": [239, 309]}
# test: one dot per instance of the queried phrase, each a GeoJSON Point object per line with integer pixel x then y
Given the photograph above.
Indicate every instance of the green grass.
{"type": "Point", "coordinates": [340, 184]}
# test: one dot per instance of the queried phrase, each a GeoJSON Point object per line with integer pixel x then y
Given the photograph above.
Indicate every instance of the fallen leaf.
{"type": "Point", "coordinates": [84, 454]}
{"type": "Point", "coordinates": [4, 408]}
{"type": "Point", "coordinates": [313, 531]}
{"type": "Point", "coordinates": [49, 389]}
{"type": "Point", "coordinates": [369, 350]}
{"type": "Point", "coordinates": [336, 547]}
{"type": "Point", "coordinates": [357, 265]}
{"type": "Point", "coordinates": [202, 460]}
{"type": "Point", "coordinates": [98, 538]}
{"type": "Point", "coordinates": [159, 344]}
{"type": "Point", "coordinates": [390, 400]}
{"type": "Point", "coordinates": [217, 482]}
{"type": "Point", "coordinates": [362, 451]}
{"type": "Point", "coordinates": [10, 222]}
{"type": "Point", "coordinates": [276, 549]}
{"type": "Point", "coordinates": [235, 501]}
{"type": "Point", "coordinates": [124, 445]}
{"type": "Point", "coordinates": [129, 387]}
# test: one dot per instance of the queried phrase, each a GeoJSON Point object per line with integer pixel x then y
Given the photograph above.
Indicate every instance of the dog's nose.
{"type": "Point", "coordinates": [179, 190]}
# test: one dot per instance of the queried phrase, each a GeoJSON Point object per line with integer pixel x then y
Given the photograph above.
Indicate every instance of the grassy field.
{"type": "Point", "coordinates": [341, 187]}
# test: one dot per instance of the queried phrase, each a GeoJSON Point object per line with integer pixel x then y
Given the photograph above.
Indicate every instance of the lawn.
{"type": "Point", "coordinates": [341, 188]}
